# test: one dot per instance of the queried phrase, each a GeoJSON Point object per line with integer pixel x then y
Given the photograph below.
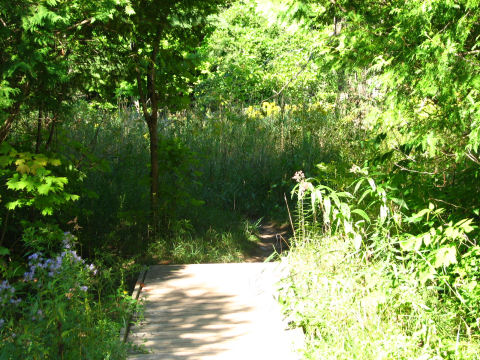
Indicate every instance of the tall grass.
{"type": "Point", "coordinates": [246, 160]}
{"type": "Point", "coordinates": [357, 293]}
{"type": "Point", "coordinates": [237, 161]}
{"type": "Point", "coordinates": [350, 308]}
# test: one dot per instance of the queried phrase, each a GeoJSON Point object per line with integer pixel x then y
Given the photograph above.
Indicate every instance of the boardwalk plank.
{"type": "Point", "coordinates": [212, 312]}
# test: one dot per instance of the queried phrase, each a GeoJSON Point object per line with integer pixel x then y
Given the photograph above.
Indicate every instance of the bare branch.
{"type": "Point", "coordinates": [415, 171]}
{"type": "Point", "coordinates": [302, 69]}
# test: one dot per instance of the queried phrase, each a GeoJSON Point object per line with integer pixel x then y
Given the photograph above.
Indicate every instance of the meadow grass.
{"type": "Point", "coordinates": [351, 307]}
{"type": "Point", "coordinates": [219, 170]}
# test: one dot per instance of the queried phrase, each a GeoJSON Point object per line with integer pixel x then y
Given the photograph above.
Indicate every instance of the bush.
{"type": "Point", "coordinates": [372, 280]}
{"type": "Point", "coordinates": [53, 311]}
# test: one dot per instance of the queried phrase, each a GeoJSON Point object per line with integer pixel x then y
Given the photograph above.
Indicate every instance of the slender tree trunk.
{"type": "Point", "coordinates": [39, 131]}
{"type": "Point", "coordinates": [151, 119]}
{"type": "Point", "coordinates": [7, 125]}
{"type": "Point", "coordinates": [51, 133]}
{"type": "Point", "coordinates": [153, 132]}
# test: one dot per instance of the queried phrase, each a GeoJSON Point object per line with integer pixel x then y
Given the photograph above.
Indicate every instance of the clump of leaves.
{"type": "Point", "coordinates": [31, 183]}
{"type": "Point", "coordinates": [52, 311]}
{"type": "Point", "coordinates": [379, 254]}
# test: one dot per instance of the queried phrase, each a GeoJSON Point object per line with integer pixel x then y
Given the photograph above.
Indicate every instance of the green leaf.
{"type": "Point", "coordinates": [357, 186]}
{"type": "Point", "coordinates": [399, 202]}
{"type": "Point", "coordinates": [445, 256]}
{"type": "Point", "coordinates": [427, 239]}
{"type": "Point", "coordinates": [22, 168]}
{"type": "Point", "coordinates": [55, 162]}
{"type": "Point", "coordinates": [44, 189]}
{"type": "Point", "coordinates": [328, 206]}
{"type": "Point", "coordinates": [362, 213]}
{"type": "Point", "coordinates": [13, 204]}
{"type": "Point", "coordinates": [4, 251]}
{"type": "Point", "coordinates": [465, 225]}
{"type": "Point", "coordinates": [129, 10]}
{"type": "Point", "coordinates": [5, 161]}
{"type": "Point", "coordinates": [357, 241]}
{"type": "Point", "coordinates": [335, 198]}
{"type": "Point", "coordinates": [345, 210]}
{"type": "Point", "coordinates": [365, 193]}
{"type": "Point", "coordinates": [412, 243]}
{"type": "Point", "coordinates": [344, 194]}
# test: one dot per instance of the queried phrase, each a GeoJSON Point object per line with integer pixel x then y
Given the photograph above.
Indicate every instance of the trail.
{"type": "Point", "coordinates": [212, 312]}
{"type": "Point", "coordinates": [273, 237]}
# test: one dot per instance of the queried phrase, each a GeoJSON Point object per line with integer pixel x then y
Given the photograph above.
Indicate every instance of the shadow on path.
{"type": "Point", "coordinates": [209, 311]}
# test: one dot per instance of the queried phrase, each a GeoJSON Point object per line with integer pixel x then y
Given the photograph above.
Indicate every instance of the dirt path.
{"type": "Point", "coordinates": [273, 237]}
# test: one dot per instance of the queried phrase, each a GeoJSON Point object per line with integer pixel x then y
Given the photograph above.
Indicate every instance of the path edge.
{"type": "Point", "coordinates": [124, 332]}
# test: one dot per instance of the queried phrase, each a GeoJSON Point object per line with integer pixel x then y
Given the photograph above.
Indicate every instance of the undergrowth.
{"type": "Point", "coordinates": [361, 286]}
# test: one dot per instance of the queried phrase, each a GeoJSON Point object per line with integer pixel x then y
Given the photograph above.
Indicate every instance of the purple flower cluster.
{"type": "Point", "coordinates": [92, 269]}
{"type": "Point", "coordinates": [38, 315]}
{"type": "Point", "coordinates": [7, 293]}
{"type": "Point", "coordinates": [54, 266]}
{"type": "Point", "coordinates": [67, 240]}
{"type": "Point", "coordinates": [5, 286]}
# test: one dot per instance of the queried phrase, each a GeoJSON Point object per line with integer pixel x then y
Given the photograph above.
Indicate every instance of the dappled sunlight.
{"type": "Point", "coordinates": [224, 311]}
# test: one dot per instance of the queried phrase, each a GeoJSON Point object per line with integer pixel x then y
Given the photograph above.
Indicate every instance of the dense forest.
{"type": "Point", "coordinates": [136, 132]}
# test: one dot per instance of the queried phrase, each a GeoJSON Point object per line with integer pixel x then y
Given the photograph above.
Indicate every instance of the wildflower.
{"type": "Point", "coordinates": [38, 315]}
{"type": "Point", "coordinates": [84, 288]}
{"type": "Point", "coordinates": [67, 240]}
{"type": "Point", "coordinates": [28, 276]}
{"type": "Point", "coordinates": [35, 256]}
{"type": "Point", "coordinates": [92, 269]}
{"type": "Point", "coordinates": [306, 186]}
{"type": "Point", "coordinates": [4, 285]}
{"type": "Point", "coordinates": [299, 176]}
{"type": "Point", "coordinates": [358, 170]}
{"type": "Point", "coordinates": [15, 301]}
{"type": "Point", "coordinates": [76, 257]}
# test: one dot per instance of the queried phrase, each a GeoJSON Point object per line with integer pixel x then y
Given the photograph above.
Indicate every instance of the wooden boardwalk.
{"type": "Point", "coordinates": [212, 311]}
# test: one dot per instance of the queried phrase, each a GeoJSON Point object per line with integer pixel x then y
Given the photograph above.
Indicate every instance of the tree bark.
{"type": "Point", "coordinates": [39, 131]}
{"type": "Point", "coordinates": [51, 133]}
{"type": "Point", "coordinates": [151, 118]}
{"type": "Point", "coordinates": [153, 132]}
{"type": "Point", "coordinates": [7, 125]}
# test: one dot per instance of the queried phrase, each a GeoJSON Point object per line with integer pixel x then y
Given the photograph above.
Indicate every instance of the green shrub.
{"type": "Point", "coordinates": [53, 312]}
{"type": "Point", "coordinates": [368, 282]}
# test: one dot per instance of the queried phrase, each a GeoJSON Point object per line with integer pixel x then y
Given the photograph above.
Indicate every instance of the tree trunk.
{"type": "Point", "coordinates": [152, 122]}
{"type": "Point", "coordinates": [7, 125]}
{"type": "Point", "coordinates": [153, 132]}
{"type": "Point", "coordinates": [51, 133]}
{"type": "Point", "coordinates": [39, 131]}
{"type": "Point", "coordinates": [151, 119]}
